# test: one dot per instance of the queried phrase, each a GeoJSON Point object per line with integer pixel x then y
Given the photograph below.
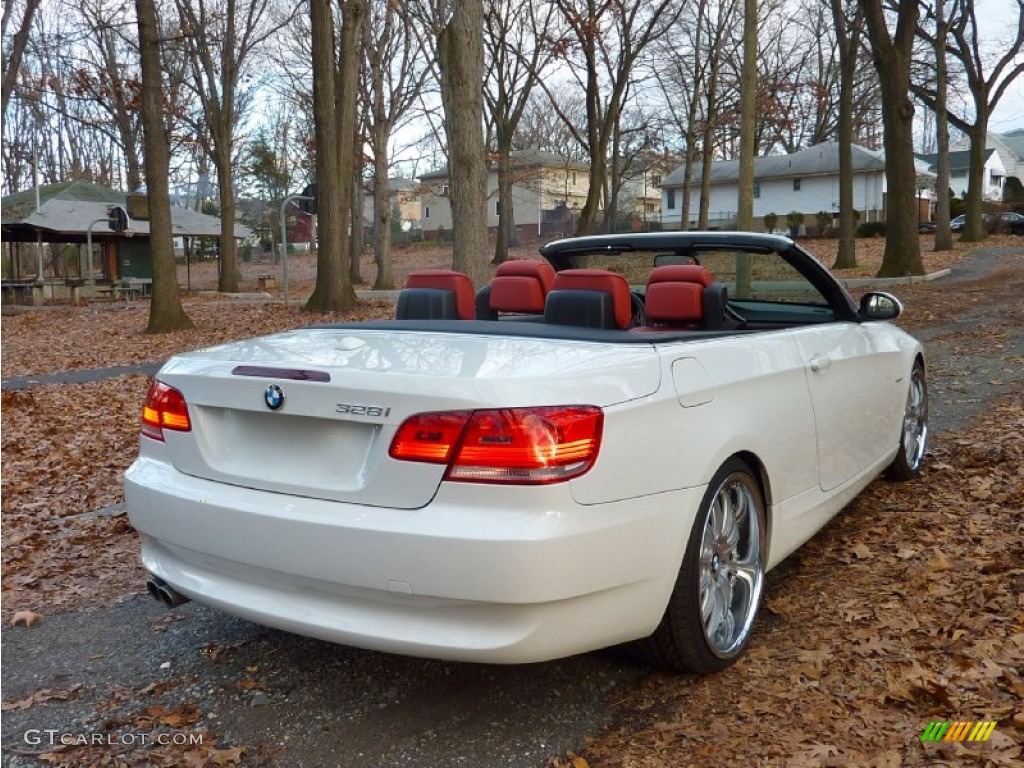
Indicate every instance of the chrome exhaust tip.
{"type": "Point", "coordinates": [164, 592]}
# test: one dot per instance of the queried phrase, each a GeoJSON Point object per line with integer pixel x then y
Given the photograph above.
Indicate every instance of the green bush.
{"type": "Point", "coordinates": [771, 221]}
{"type": "Point", "coordinates": [824, 222]}
{"type": "Point", "coordinates": [871, 229]}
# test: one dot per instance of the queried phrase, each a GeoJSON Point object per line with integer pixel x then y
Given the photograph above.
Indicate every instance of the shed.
{"type": "Point", "coordinates": [65, 212]}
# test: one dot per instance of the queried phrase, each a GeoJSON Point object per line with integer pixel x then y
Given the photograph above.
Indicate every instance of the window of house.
{"type": "Point", "coordinates": [757, 189]}
{"type": "Point", "coordinates": [444, 190]}
{"type": "Point", "coordinates": [656, 180]}
{"type": "Point", "coordinates": [426, 211]}
{"type": "Point", "coordinates": [670, 199]}
{"type": "Point", "coordinates": [796, 185]}
{"type": "Point", "coordinates": [574, 178]}
{"type": "Point", "coordinates": [497, 207]}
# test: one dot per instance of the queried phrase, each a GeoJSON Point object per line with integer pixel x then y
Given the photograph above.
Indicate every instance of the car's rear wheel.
{"type": "Point", "coordinates": [914, 434]}
{"type": "Point", "coordinates": [711, 612]}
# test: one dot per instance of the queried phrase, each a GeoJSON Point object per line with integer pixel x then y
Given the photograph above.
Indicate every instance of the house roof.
{"type": "Point", "coordinates": [1014, 141]}
{"type": "Point", "coordinates": [68, 208]}
{"type": "Point", "coordinates": [958, 161]}
{"type": "Point", "coordinates": [817, 160]}
{"type": "Point", "coordinates": [523, 158]}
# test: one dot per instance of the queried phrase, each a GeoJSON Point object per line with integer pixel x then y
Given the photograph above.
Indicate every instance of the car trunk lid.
{"type": "Point", "coordinates": [344, 392]}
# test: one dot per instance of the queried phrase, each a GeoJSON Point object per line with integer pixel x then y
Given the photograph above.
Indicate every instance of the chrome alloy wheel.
{"type": "Point", "coordinates": [731, 567]}
{"type": "Point", "coordinates": [915, 421]}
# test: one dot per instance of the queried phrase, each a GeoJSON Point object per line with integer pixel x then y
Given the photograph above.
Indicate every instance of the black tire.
{"type": "Point", "coordinates": [914, 429]}
{"type": "Point", "coordinates": [682, 640]}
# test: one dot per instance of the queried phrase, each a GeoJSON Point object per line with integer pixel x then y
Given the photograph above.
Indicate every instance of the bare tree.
{"type": "Point", "coordinates": [395, 74]}
{"type": "Point", "coordinates": [461, 61]}
{"type": "Point", "coordinates": [220, 40]}
{"type": "Point", "coordinates": [609, 36]}
{"type": "Point", "coordinates": [748, 127]}
{"type": "Point", "coordinates": [943, 235]}
{"type": "Point", "coordinates": [335, 101]}
{"type": "Point", "coordinates": [541, 126]}
{"type": "Point", "coordinates": [516, 58]}
{"type": "Point", "coordinates": [16, 47]}
{"type": "Point", "coordinates": [893, 54]}
{"type": "Point", "coordinates": [848, 27]}
{"type": "Point", "coordinates": [165, 310]}
{"type": "Point", "coordinates": [986, 90]}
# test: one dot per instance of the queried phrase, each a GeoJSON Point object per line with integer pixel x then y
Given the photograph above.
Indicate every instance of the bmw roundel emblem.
{"type": "Point", "coordinates": [273, 397]}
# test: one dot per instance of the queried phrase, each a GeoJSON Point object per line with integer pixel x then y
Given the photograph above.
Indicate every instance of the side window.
{"type": "Point", "coordinates": [670, 198]}
{"type": "Point", "coordinates": [757, 189]}
{"type": "Point", "coordinates": [765, 287]}
{"type": "Point", "coordinates": [426, 211]}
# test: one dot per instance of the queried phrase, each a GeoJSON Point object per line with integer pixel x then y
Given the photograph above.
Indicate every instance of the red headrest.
{"type": "Point", "coordinates": [448, 280]}
{"type": "Point", "coordinates": [521, 286]}
{"type": "Point", "coordinates": [680, 273]}
{"type": "Point", "coordinates": [599, 280]}
{"type": "Point", "coordinates": [529, 268]}
{"type": "Point", "coordinates": [675, 302]}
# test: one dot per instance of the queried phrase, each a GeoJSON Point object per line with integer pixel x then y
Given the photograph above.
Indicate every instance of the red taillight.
{"type": "Point", "coordinates": [165, 408]}
{"type": "Point", "coordinates": [429, 437]}
{"type": "Point", "coordinates": [510, 445]}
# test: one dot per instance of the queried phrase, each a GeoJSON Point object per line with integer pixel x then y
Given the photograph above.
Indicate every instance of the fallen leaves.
{"type": "Point", "coordinates": [40, 696]}
{"type": "Point", "coordinates": [925, 623]}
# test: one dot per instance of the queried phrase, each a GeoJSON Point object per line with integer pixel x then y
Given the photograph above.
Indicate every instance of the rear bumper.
{"type": "Point", "coordinates": [481, 573]}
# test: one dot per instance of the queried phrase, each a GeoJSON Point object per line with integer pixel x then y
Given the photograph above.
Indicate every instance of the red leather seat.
{"type": "Point", "coordinates": [424, 296]}
{"type": "Point", "coordinates": [675, 295]}
{"type": "Point", "coordinates": [569, 302]}
{"type": "Point", "coordinates": [521, 286]}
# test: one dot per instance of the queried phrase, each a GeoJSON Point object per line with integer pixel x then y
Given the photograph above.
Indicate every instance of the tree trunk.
{"type": "Point", "coordinates": [974, 227]}
{"type": "Point", "coordinates": [893, 58]}
{"type": "Point", "coordinates": [506, 222]}
{"type": "Point", "coordinates": [328, 291]}
{"type": "Point", "coordinates": [165, 310]}
{"type": "Point", "coordinates": [460, 56]}
{"type": "Point", "coordinates": [333, 291]}
{"type": "Point", "coordinates": [229, 274]}
{"type": "Point", "coordinates": [355, 271]}
{"type": "Point", "coordinates": [385, 280]}
{"type": "Point", "coordinates": [748, 119]}
{"type": "Point", "coordinates": [943, 235]}
{"type": "Point", "coordinates": [18, 42]}
{"type": "Point", "coordinates": [848, 36]}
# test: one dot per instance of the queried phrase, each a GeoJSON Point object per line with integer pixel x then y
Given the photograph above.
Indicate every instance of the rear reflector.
{"type": "Point", "coordinates": [165, 408]}
{"type": "Point", "coordinates": [511, 445]}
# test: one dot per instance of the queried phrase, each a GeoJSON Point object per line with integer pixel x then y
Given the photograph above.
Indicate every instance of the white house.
{"type": "Point", "coordinates": [805, 181]}
{"type": "Point", "coordinates": [546, 191]}
{"type": "Point", "coordinates": [960, 164]}
{"type": "Point", "coordinates": [1009, 147]}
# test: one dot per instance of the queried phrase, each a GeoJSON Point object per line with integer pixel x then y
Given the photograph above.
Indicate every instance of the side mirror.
{"type": "Point", "coordinates": [877, 305]}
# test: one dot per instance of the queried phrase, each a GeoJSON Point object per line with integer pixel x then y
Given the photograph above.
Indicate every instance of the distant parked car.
{"type": "Point", "coordinates": [1011, 223]}
{"type": "Point", "coordinates": [926, 227]}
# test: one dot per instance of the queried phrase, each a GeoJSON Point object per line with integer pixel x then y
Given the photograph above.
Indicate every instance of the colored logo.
{"type": "Point", "coordinates": [273, 397]}
{"type": "Point", "coordinates": [958, 730]}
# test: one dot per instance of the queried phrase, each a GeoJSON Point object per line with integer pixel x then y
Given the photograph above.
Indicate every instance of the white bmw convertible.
{"type": "Point", "coordinates": [613, 445]}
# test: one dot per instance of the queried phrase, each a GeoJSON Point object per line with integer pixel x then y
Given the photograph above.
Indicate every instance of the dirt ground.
{"type": "Point", "coordinates": [907, 608]}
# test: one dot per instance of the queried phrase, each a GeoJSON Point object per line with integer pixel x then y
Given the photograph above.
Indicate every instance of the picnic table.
{"type": "Point", "coordinates": [129, 289]}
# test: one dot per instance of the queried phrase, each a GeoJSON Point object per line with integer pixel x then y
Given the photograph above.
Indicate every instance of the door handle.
{"type": "Point", "coordinates": [819, 364]}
